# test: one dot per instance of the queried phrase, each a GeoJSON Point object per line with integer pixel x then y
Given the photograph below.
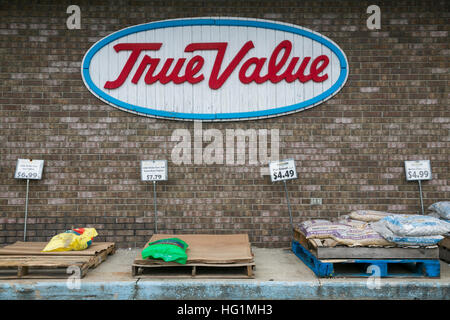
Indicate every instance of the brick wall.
{"type": "Point", "coordinates": [349, 151]}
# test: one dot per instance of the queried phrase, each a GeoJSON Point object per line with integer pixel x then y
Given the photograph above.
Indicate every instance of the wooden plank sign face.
{"type": "Point", "coordinates": [214, 69]}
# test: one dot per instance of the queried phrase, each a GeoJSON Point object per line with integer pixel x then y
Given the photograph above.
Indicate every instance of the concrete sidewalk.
{"type": "Point", "coordinates": [279, 274]}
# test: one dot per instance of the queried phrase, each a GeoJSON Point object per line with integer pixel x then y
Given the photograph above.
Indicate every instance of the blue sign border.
{"type": "Point", "coordinates": [334, 89]}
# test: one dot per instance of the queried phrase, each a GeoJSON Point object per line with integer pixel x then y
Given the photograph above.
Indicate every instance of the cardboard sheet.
{"type": "Point", "coordinates": [210, 248]}
{"type": "Point", "coordinates": [34, 248]}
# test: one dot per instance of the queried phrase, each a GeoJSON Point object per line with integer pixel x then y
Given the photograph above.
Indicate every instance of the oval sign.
{"type": "Point", "coordinates": [214, 69]}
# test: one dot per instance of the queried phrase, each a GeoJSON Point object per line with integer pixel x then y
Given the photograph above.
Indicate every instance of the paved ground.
{"type": "Point", "coordinates": [279, 274]}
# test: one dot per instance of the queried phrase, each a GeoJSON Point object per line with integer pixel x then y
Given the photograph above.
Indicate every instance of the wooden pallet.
{"type": "Point", "coordinates": [366, 267]}
{"type": "Point", "coordinates": [194, 270]}
{"type": "Point", "coordinates": [25, 260]}
{"type": "Point", "coordinates": [39, 267]}
{"type": "Point", "coordinates": [444, 249]}
{"type": "Point", "coordinates": [318, 248]}
{"type": "Point", "coordinates": [209, 256]}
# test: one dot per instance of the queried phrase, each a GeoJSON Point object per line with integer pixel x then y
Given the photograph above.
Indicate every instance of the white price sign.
{"type": "Point", "coordinates": [282, 170]}
{"type": "Point", "coordinates": [418, 170]}
{"type": "Point", "coordinates": [153, 170]}
{"type": "Point", "coordinates": [29, 169]}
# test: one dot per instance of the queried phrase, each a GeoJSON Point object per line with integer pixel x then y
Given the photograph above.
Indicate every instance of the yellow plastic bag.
{"type": "Point", "coordinates": [77, 239]}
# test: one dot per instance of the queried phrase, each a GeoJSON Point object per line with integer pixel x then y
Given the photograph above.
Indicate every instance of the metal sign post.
{"type": "Point", "coordinates": [289, 204]}
{"type": "Point", "coordinates": [156, 211]}
{"type": "Point", "coordinates": [26, 212]}
{"type": "Point", "coordinates": [421, 196]}
{"type": "Point", "coordinates": [154, 170]}
{"type": "Point", "coordinates": [418, 170]}
{"type": "Point", "coordinates": [281, 171]}
{"type": "Point", "coordinates": [28, 169]}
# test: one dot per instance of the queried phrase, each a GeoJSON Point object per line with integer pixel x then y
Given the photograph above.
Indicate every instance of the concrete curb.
{"type": "Point", "coordinates": [225, 290]}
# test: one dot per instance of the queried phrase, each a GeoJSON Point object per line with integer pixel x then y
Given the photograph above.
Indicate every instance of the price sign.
{"type": "Point", "coordinates": [154, 170]}
{"type": "Point", "coordinates": [282, 170]}
{"type": "Point", "coordinates": [29, 169]}
{"type": "Point", "coordinates": [418, 170]}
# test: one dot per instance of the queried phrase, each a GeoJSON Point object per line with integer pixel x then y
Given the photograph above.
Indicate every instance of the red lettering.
{"type": "Point", "coordinates": [136, 49]}
{"type": "Point", "coordinates": [216, 81]}
{"type": "Point", "coordinates": [153, 63]}
{"type": "Point", "coordinates": [275, 67]}
{"type": "Point", "coordinates": [173, 76]}
{"type": "Point", "coordinates": [194, 65]}
{"type": "Point", "coordinates": [300, 74]}
{"type": "Point", "coordinates": [149, 78]}
{"type": "Point", "coordinates": [316, 71]}
{"type": "Point", "coordinates": [255, 76]}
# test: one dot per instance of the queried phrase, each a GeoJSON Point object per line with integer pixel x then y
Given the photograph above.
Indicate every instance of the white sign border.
{"type": "Point", "coordinates": [41, 168]}
{"type": "Point", "coordinates": [428, 164]}
{"type": "Point", "coordinates": [165, 168]}
{"type": "Point", "coordinates": [278, 161]}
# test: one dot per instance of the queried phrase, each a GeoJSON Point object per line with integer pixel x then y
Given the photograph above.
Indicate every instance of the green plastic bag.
{"type": "Point", "coordinates": [171, 249]}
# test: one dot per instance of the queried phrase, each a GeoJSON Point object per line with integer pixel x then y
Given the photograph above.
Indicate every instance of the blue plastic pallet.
{"type": "Point", "coordinates": [367, 267]}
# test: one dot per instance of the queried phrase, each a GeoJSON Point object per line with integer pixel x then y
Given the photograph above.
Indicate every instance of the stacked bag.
{"type": "Point", "coordinates": [412, 230]}
{"type": "Point", "coordinates": [378, 228]}
{"type": "Point", "coordinates": [440, 210]}
{"type": "Point", "coordinates": [345, 232]}
{"type": "Point", "coordinates": [409, 230]}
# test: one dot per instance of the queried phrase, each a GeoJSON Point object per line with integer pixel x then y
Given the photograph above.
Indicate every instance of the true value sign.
{"type": "Point", "coordinates": [214, 69]}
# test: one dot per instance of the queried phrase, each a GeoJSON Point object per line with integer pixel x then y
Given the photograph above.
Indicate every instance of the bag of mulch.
{"type": "Point", "coordinates": [386, 233]}
{"type": "Point", "coordinates": [169, 250]}
{"type": "Point", "coordinates": [368, 215]}
{"type": "Point", "coordinates": [303, 226]}
{"type": "Point", "coordinates": [442, 208]}
{"type": "Point", "coordinates": [358, 224]}
{"type": "Point", "coordinates": [416, 225]}
{"type": "Point", "coordinates": [76, 239]}
{"type": "Point", "coordinates": [360, 237]}
{"type": "Point", "coordinates": [324, 230]}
